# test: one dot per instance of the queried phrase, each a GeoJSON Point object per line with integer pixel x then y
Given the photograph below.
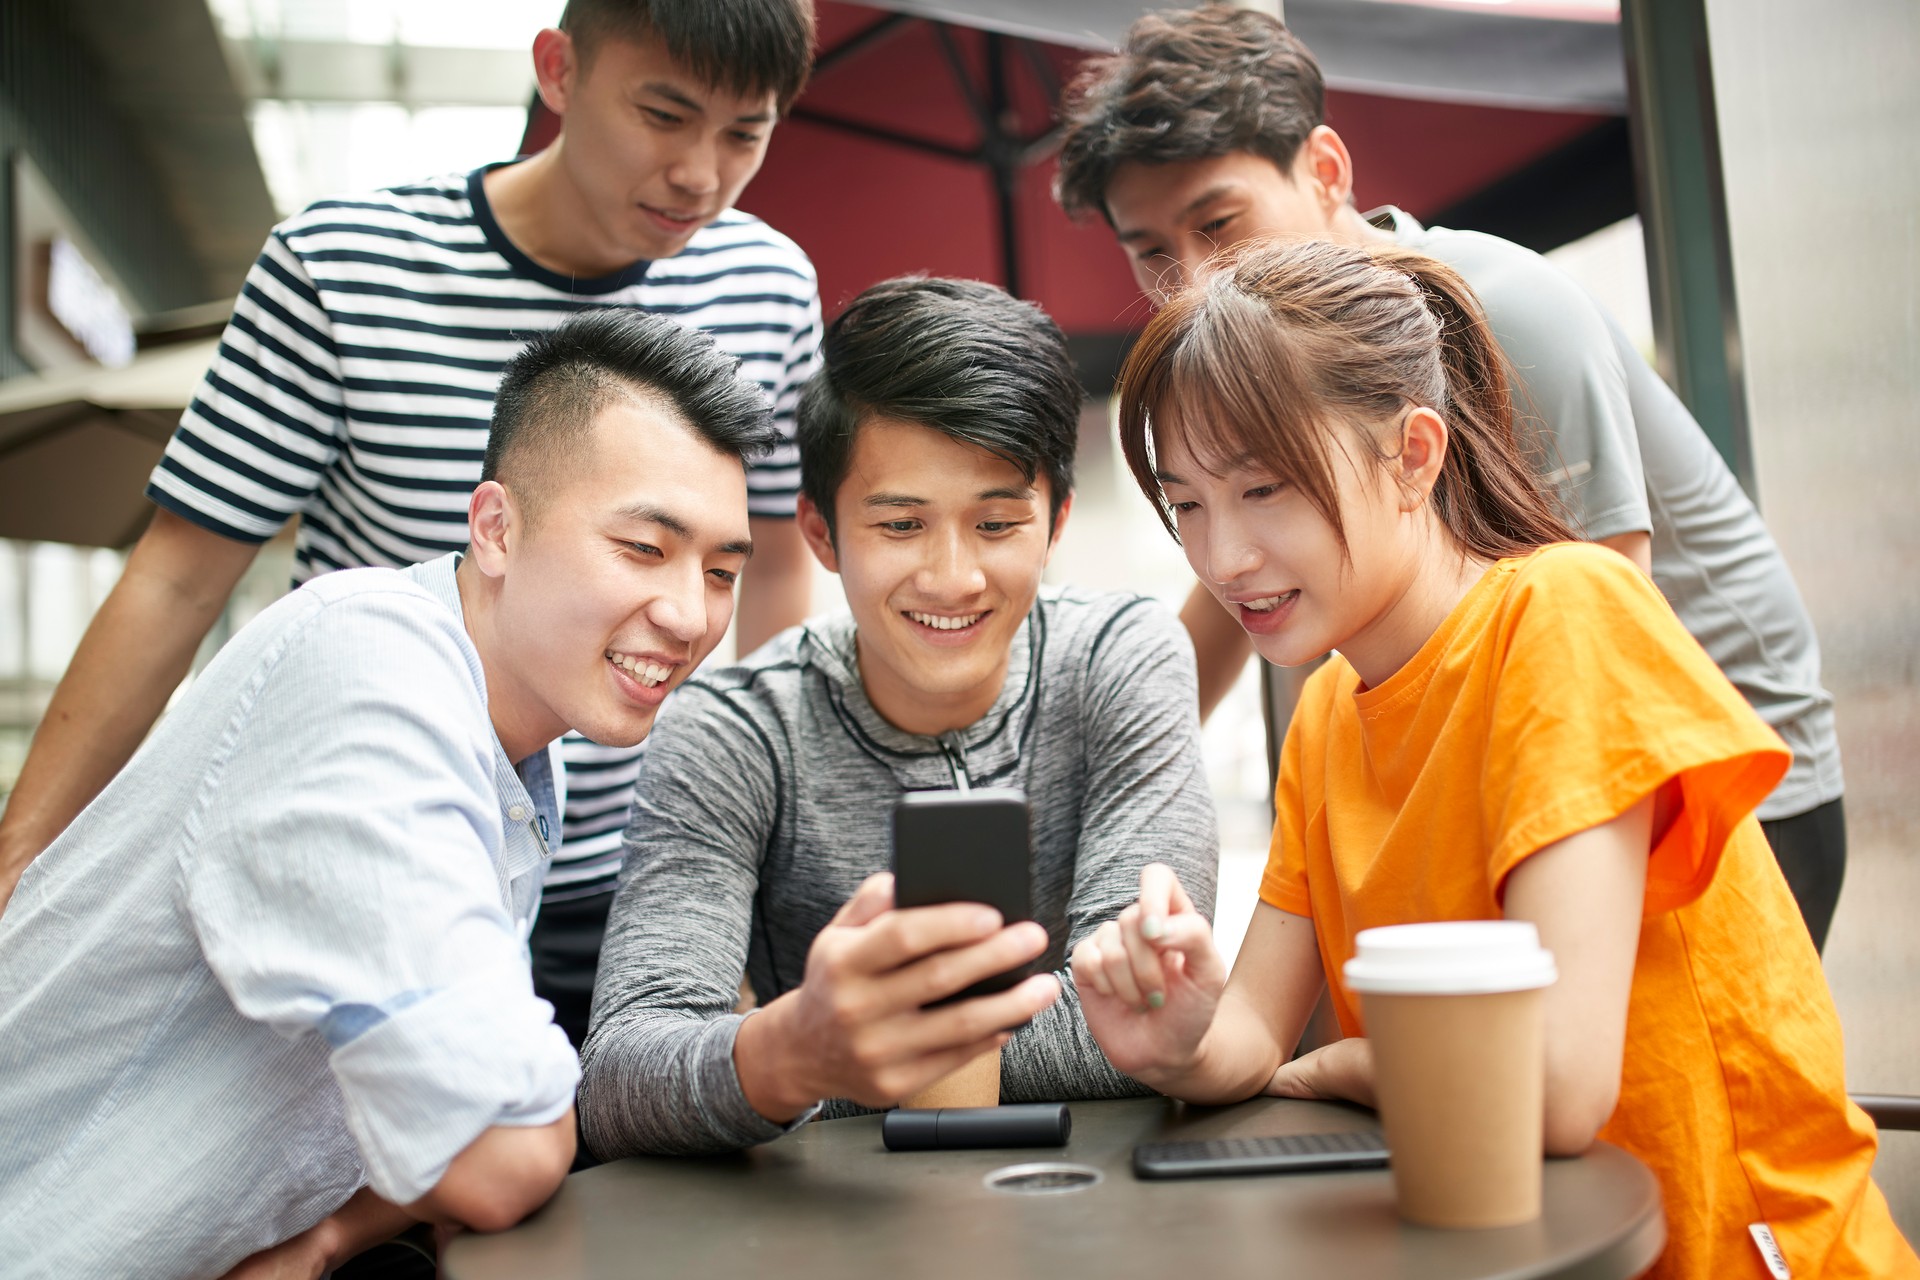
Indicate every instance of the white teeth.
{"type": "Point", "coordinates": [1267, 604]}
{"type": "Point", "coordinates": [647, 673]}
{"type": "Point", "coordinates": [940, 623]}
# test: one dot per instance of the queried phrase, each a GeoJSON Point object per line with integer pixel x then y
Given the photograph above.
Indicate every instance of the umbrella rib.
{"type": "Point", "coordinates": [882, 134]}
{"type": "Point", "coordinates": [861, 40]}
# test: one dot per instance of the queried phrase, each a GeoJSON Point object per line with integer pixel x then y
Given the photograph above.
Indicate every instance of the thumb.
{"type": "Point", "coordinates": [873, 899]}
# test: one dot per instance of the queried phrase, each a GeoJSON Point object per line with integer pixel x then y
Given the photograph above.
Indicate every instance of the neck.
{"type": "Point", "coordinates": [1441, 575]}
{"type": "Point", "coordinates": [520, 721]}
{"type": "Point", "coordinates": [928, 714]}
{"type": "Point", "coordinates": [539, 209]}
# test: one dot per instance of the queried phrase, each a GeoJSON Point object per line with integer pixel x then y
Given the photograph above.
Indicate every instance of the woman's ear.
{"type": "Point", "coordinates": [1423, 452]}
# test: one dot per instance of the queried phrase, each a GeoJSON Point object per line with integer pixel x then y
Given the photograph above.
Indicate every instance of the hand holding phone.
{"type": "Point", "coordinates": [966, 846]}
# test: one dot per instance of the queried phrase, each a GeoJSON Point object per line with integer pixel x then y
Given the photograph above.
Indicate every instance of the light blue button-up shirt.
{"type": "Point", "coordinates": [283, 955]}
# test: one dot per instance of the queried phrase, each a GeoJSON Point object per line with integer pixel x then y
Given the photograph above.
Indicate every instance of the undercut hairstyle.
{"type": "Point", "coordinates": [956, 356]}
{"type": "Point", "coordinates": [555, 389]}
{"type": "Point", "coordinates": [747, 47]}
{"type": "Point", "coordinates": [1284, 351]}
{"type": "Point", "coordinates": [1189, 84]}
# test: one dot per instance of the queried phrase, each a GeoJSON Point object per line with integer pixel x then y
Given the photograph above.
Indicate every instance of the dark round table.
{"type": "Point", "coordinates": [830, 1201]}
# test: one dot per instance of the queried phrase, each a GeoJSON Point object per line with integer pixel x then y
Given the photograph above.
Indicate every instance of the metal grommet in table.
{"type": "Point", "coordinates": [1042, 1179]}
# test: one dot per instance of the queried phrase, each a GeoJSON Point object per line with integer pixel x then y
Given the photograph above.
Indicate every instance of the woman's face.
{"type": "Point", "coordinates": [1276, 563]}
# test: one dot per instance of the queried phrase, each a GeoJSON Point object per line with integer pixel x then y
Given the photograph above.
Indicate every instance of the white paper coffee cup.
{"type": "Point", "coordinates": [1454, 1012]}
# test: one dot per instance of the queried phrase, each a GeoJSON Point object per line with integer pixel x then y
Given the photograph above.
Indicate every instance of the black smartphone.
{"type": "Point", "coordinates": [1290, 1153]}
{"type": "Point", "coordinates": [966, 846]}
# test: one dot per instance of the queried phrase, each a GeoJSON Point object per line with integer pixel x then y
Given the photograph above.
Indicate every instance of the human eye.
{"type": "Point", "coordinates": [725, 577]}
{"type": "Point", "coordinates": [1183, 507]}
{"type": "Point", "coordinates": [1149, 254]}
{"type": "Point", "coordinates": [647, 550]}
{"type": "Point", "coordinates": [1266, 490]}
{"type": "Point", "coordinates": [746, 137]}
{"type": "Point", "coordinates": [665, 119]}
{"type": "Point", "coordinates": [1216, 225]}
{"type": "Point", "coordinates": [900, 526]}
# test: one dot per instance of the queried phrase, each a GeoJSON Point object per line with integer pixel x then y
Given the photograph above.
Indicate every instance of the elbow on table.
{"type": "Point", "coordinates": [503, 1176]}
{"type": "Point", "coordinates": [1574, 1118]}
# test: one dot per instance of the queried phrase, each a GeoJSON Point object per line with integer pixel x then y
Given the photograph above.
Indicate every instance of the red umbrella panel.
{"type": "Point", "coordinates": [924, 146]}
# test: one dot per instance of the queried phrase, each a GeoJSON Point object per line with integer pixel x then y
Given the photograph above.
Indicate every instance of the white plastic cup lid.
{"type": "Point", "coordinates": [1450, 957]}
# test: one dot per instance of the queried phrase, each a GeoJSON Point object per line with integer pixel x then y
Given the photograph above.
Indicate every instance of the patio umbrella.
{"type": "Point", "coordinates": [925, 140]}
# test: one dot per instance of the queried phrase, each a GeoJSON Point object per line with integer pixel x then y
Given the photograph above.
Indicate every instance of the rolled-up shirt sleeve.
{"type": "Point", "coordinates": [344, 883]}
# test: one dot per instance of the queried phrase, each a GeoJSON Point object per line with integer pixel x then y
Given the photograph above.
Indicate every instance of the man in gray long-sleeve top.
{"type": "Point", "coordinates": [936, 453]}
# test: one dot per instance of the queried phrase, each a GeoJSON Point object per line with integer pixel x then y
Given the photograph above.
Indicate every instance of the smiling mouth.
{"type": "Point", "coordinates": [645, 673]}
{"type": "Point", "coordinates": [945, 622]}
{"type": "Point", "coordinates": [1267, 604]}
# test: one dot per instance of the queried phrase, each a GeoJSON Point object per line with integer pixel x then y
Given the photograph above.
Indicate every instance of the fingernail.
{"type": "Point", "coordinates": [1152, 926]}
{"type": "Point", "coordinates": [987, 919]}
{"type": "Point", "coordinates": [1156, 999]}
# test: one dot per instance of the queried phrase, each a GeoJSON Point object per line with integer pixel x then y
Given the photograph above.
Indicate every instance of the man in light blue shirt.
{"type": "Point", "coordinates": [270, 990]}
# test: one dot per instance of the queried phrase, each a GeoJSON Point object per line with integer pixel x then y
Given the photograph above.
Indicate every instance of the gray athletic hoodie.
{"type": "Point", "coordinates": [765, 798]}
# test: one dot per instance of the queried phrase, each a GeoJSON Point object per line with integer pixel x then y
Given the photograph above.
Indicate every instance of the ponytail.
{"type": "Point", "coordinates": [1488, 494]}
{"type": "Point", "coordinates": [1284, 339]}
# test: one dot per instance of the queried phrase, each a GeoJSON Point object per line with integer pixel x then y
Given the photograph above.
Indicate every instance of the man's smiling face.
{"type": "Point", "coordinates": [940, 547]}
{"type": "Point", "coordinates": [621, 581]}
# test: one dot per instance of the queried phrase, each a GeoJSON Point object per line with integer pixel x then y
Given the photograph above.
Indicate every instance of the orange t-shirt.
{"type": "Point", "coordinates": [1559, 693]}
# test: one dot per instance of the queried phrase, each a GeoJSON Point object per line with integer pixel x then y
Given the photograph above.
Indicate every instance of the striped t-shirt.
{"type": "Point", "coordinates": [354, 386]}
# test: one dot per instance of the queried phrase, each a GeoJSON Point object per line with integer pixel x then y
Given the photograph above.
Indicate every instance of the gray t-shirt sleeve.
{"type": "Point", "coordinates": [1571, 386]}
{"type": "Point", "coordinates": [1146, 800]}
{"type": "Point", "coordinates": [657, 1067]}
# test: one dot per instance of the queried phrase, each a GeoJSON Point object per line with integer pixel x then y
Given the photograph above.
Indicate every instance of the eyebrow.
{"type": "Point", "coordinates": [1008, 492]}
{"type": "Point", "coordinates": [675, 95]}
{"type": "Point", "coordinates": [645, 513]}
{"type": "Point", "coordinates": [892, 500]}
{"type": "Point", "coordinates": [1200, 201]}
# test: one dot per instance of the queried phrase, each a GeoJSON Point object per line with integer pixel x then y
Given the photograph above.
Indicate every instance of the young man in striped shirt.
{"type": "Point", "coordinates": [354, 382]}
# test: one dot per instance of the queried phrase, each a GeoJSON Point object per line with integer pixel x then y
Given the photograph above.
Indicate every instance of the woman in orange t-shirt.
{"type": "Point", "coordinates": [1515, 725]}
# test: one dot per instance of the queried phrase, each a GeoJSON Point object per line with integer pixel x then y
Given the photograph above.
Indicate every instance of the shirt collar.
{"type": "Point", "coordinates": [985, 750]}
{"type": "Point", "coordinates": [526, 791]}
{"type": "Point", "coordinates": [1405, 227]}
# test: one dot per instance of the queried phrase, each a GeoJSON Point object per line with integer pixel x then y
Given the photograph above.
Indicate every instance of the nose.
{"type": "Point", "coordinates": [679, 609]}
{"type": "Point", "coordinates": [952, 570]}
{"type": "Point", "coordinates": [696, 170]}
{"type": "Point", "coordinates": [1223, 554]}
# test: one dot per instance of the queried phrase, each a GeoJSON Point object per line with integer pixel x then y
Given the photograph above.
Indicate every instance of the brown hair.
{"type": "Point", "coordinates": [1187, 85]}
{"type": "Point", "coordinates": [1282, 343]}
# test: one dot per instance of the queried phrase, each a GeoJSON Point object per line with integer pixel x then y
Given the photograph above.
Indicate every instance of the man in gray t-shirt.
{"type": "Point", "coordinates": [1207, 129]}
{"type": "Point", "coordinates": [936, 452]}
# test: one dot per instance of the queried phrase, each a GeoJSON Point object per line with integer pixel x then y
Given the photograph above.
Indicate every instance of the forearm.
{"type": "Point", "coordinates": [1220, 647]}
{"type": "Point", "coordinates": [1234, 1060]}
{"type": "Point", "coordinates": [357, 1226]}
{"type": "Point", "coordinates": [666, 1084]}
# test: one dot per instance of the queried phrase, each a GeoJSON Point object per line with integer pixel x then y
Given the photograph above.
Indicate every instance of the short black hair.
{"type": "Point", "coordinates": [744, 46]}
{"type": "Point", "coordinates": [1188, 84]}
{"type": "Point", "coordinates": [555, 388]}
{"type": "Point", "coordinates": [956, 356]}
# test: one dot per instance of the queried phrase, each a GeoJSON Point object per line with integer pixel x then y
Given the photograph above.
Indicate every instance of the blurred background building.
{"type": "Point", "coordinates": [1733, 179]}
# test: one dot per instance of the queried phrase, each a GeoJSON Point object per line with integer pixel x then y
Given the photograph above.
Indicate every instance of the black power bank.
{"type": "Point", "coordinates": [1026, 1124]}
